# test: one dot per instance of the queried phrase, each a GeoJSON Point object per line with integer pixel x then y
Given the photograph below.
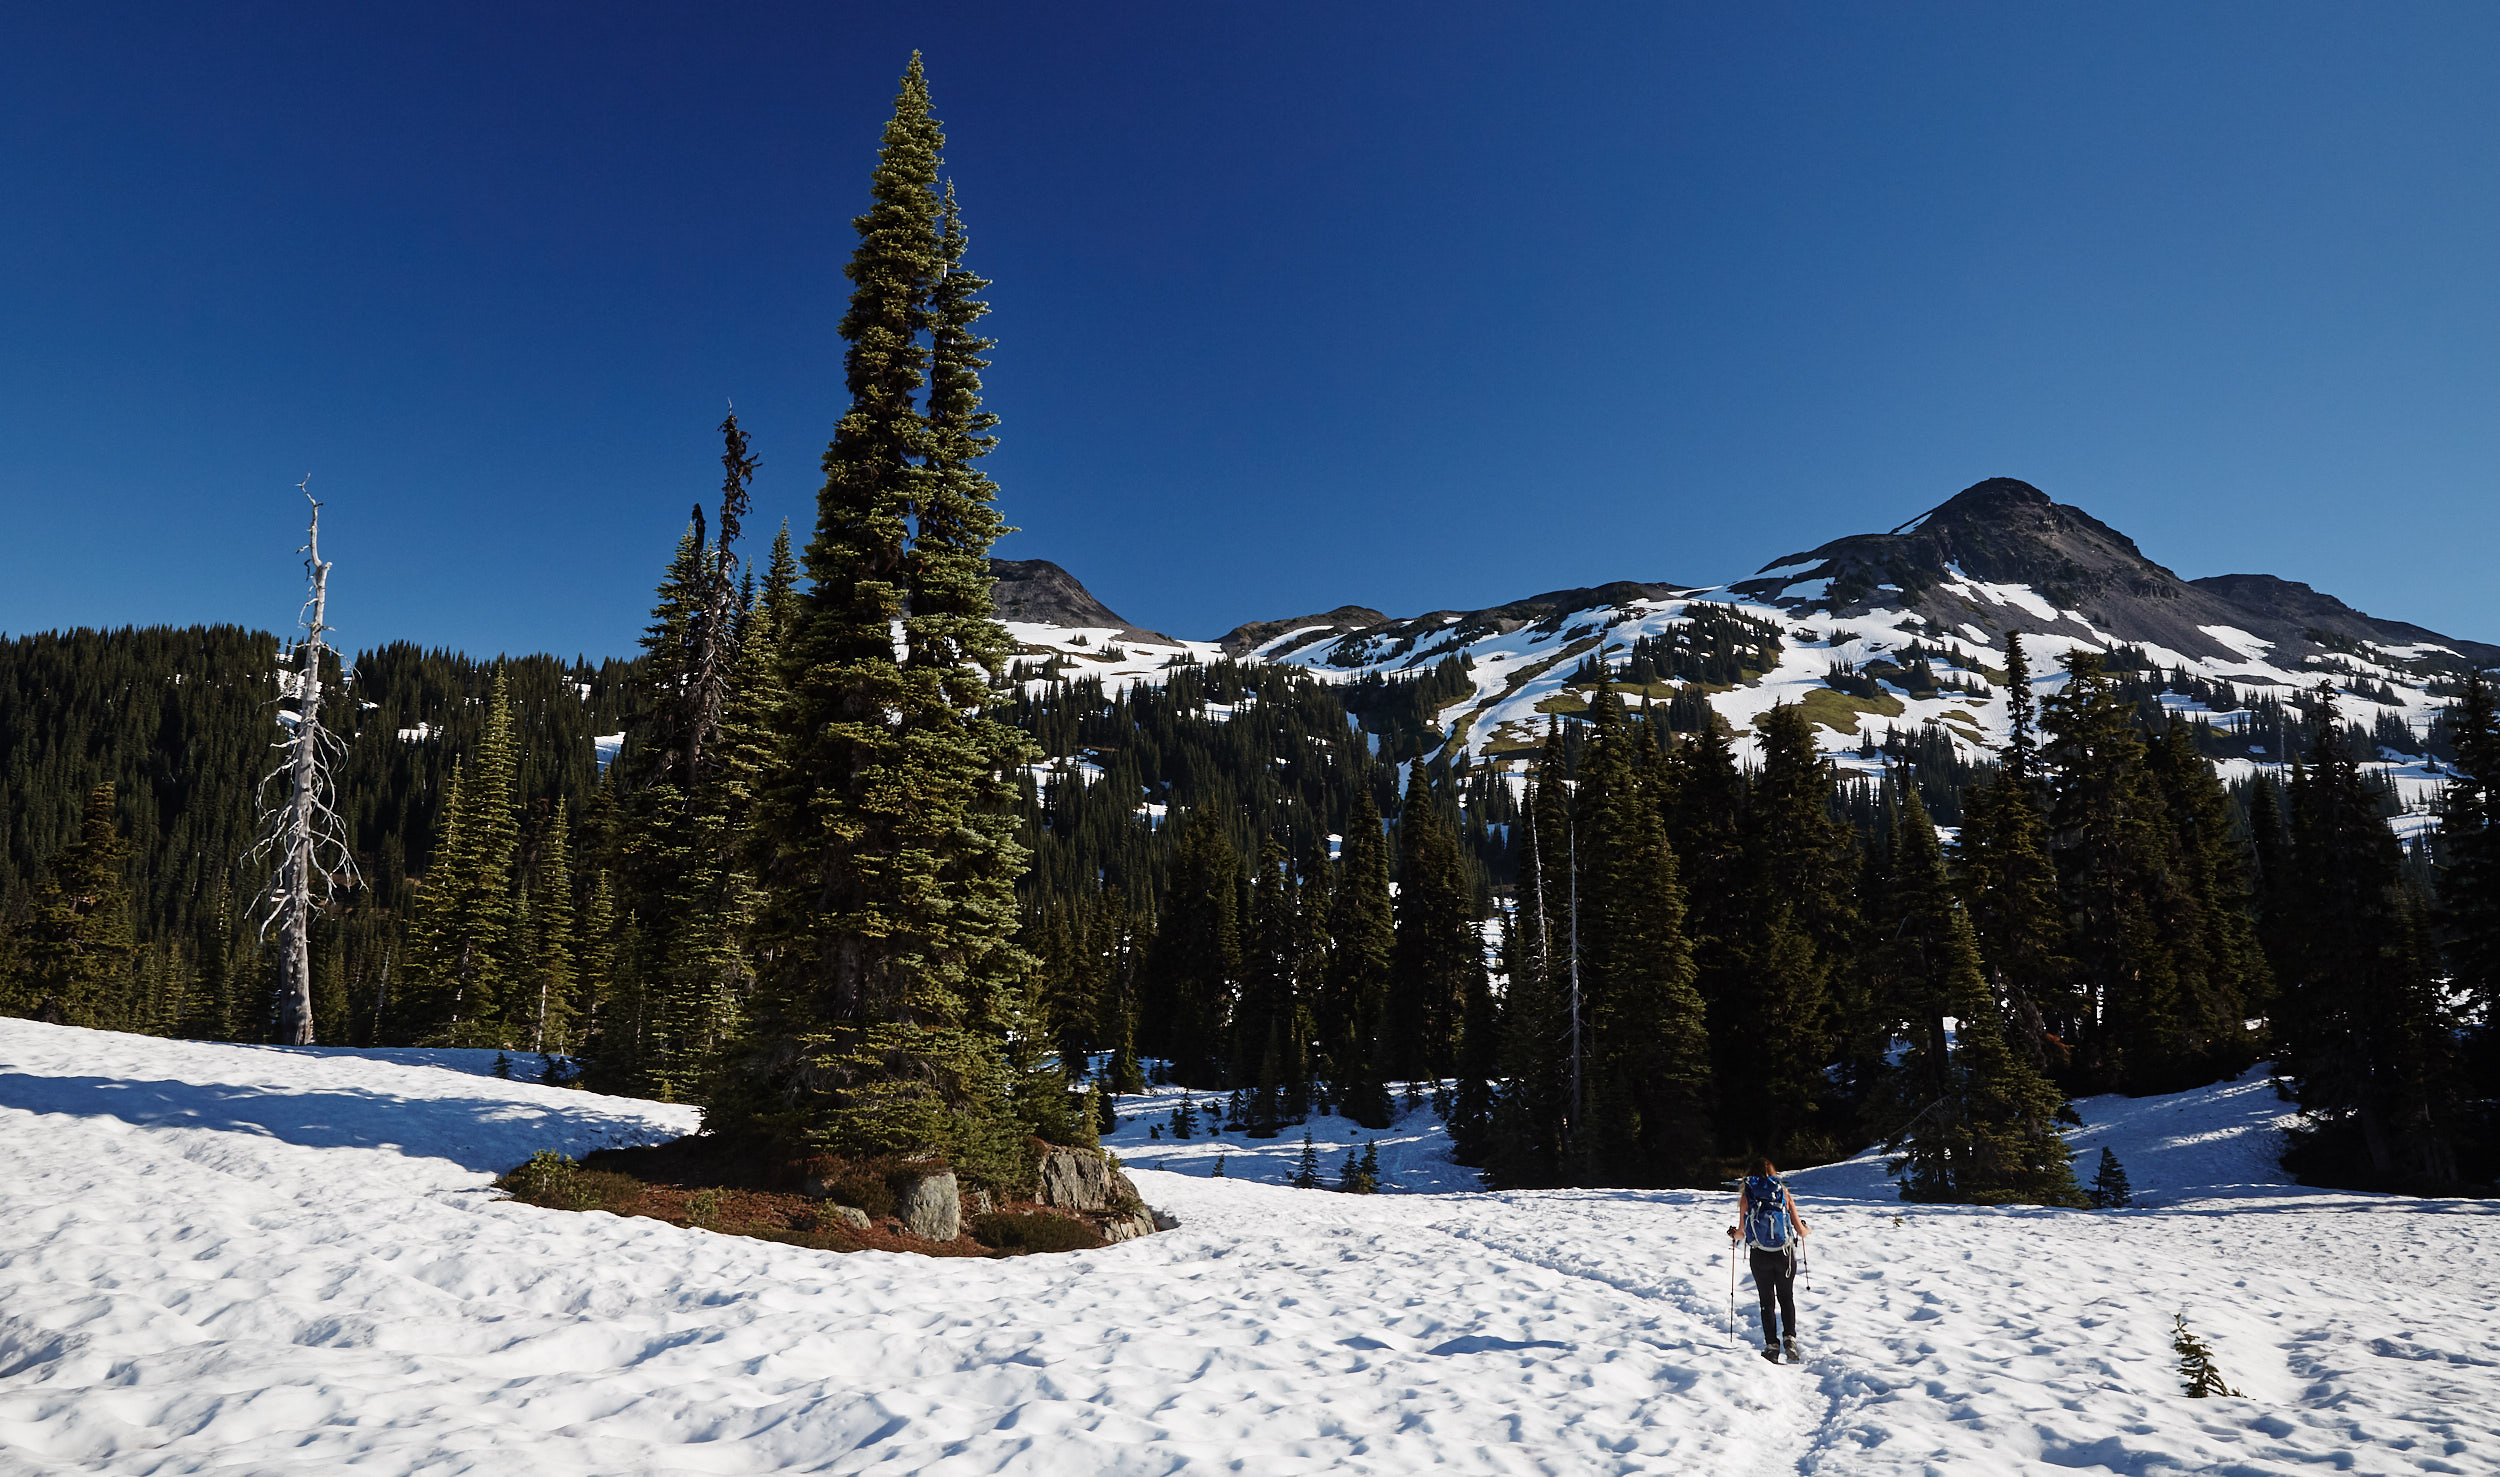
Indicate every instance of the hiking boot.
{"type": "Point", "coordinates": [1771, 1352]}
{"type": "Point", "coordinates": [1790, 1348]}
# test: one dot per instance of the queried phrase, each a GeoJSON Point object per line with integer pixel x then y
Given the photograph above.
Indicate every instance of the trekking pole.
{"type": "Point", "coordinates": [1731, 1289]}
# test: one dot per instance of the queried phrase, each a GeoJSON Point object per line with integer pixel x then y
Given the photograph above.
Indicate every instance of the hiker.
{"type": "Point", "coordinates": [1768, 1223]}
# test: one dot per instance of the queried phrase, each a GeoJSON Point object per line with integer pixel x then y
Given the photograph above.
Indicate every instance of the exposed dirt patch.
{"type": "Point", "coordinates": [738, 1190]}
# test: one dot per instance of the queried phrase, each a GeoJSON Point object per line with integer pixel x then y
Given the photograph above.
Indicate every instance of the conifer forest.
{"type": "Point", "coordinates": [837, 860]}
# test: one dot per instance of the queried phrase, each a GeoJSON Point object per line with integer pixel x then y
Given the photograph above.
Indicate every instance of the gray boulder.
{"type": "Point", "coordinates": [1129, 1227]}
{"type": "Point", "coordinates": [849, 1216]}
{"type": "Point", "coordinates": [1081, 1179]}
{"type": "Point", "coordinates": [932, 1207]}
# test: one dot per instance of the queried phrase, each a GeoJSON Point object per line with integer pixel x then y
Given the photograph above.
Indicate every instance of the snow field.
{"type": "Point", "coordinates": [255, 1260]}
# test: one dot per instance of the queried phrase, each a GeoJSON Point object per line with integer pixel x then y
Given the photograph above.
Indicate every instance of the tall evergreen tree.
{"type": "Point", "coordinates": [465, 938]}
{"type": "Point", "coordinates": [888, 862]}
{"type": "Point", "coordinates": [1918, 974]}
{"type": "Point", "coordinates": [2136, 931]}
{"type": "Point", "coordinates": [1439, 953]}
{"type": "Point", "coordinates": [2362, 1033]}
{"type": "Point", "coordinates": [1531, 1119]}
{"type": "Point", "coordinates": [2009, 885]}
{"type": "Point", "coordinates": [79, 952]}
{"type": "Point", "coordinates": [1363, 941]}
{"type": "Point", "coordinates": [1777, 1024]}
{"type": "Point", "coordinates": [549, 985]}
{"type": "Point", "coordinates": [1970, 1119]}
{"type": "Point", "coordinates": [1195, 968]}
{"type": "Point", "coordinates": [2234, 981]}
{"type": "Point", "coordinates": [1703, 793]}
{"type": "Point", "coordinates": [1262, 1018]}
{"type": "Point", "coordinates": [2469, 883]}
{"type": "Point", "coordinates": [1647, 1119]}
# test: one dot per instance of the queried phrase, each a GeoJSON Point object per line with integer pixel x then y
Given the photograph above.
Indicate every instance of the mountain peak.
{"type": "Point", "coordinates": [1039, 591]}
{"type": "Point", "coordinates": [2005, 532]}
{"type": "Point", "coordinates": [1996, 499]}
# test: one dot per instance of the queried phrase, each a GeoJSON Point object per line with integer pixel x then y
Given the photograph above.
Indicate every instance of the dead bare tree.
{"type": "Point", "coordinates": [707, 687]}
{"type": "Point", "coordinates": [300, 828]}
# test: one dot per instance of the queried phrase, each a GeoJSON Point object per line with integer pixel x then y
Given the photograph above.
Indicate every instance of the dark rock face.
{"type": "Point", "coordinates": [2003, 531]}
{"type": "Point", "coordinates": [2291, 603]}
{"type": "Point", "coordinates": [1038, 590]}
{"type": "Point", "coordinates": [1243, 639]}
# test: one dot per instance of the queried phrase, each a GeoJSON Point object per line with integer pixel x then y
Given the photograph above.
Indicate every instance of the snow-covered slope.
{"type": "Point", "coordinates": [254, 1260]}
{"type": "Point", "coordinates": [1948, 588]}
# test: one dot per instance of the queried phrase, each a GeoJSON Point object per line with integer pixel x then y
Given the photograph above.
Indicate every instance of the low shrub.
{"type": "Point", "coordinates": [868, 1185]}
{"type": "Point", "coordinates": [549, 1179]}
{"type": "Point", "coordinates": [554, 1181]}
{"type": "Point", "coordinates": [1029, 1231]}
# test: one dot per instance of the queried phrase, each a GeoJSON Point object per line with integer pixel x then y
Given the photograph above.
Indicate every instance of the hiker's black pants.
{"type": "Point", "coordinates": [1775, 1276]}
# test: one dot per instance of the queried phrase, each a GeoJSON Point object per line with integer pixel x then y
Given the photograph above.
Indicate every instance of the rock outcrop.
{"type": "Point", "coordinates": [931, 1206]}
{"type": "Point", "coordinates": [1086, 1180]}
{"type": "Point", "coordinates": [1040, 591]}
{"type": "Point", "coordinates": [1081, 1179]}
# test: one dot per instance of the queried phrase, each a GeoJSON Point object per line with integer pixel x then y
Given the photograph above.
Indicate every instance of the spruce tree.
{"type": "Point", "coordinates": [1971, 1120]}
{"type": "Point", "coordinates": [1264, 1022]}
{"type": "Point", "coordinates": [1363, 940]}
{"type": "Point", "coordinates": [2011, 1151]}
{"type": "Point", "coordinates": [465, 940]}
{"type": "Point", "coordinates": [1439, 950]}
{"type": "Point", "coordinates": [550, 984]}
{"type": "Point", "coordinates": [1472, 1099]}
{"type": "Point", "coordinates": [888, 857]}
{"type": "Point", "coordinates": [79, 951]}
{"type": "Point", "coordinates": [2469, 882]}
{"type": "Point", "coordinates": [1306, 1168]}
{"type": "Point", "coordinates": [2010, 885]}
{"type": "Point", "coordinates": [1647, 1121]}
{"type": "Point", "coordinates": [2362, 1031]}
{"type": "Point", "coordinates": [209, 1007]}
{"type": "Point", "coordinates": [2110, 1190]}
{"type": "Point", "coordinates": [1704, 796]}
{"type": "Point", "coordinates": [1777, 1024]}
{"type": "Point", "coordinates": [1531, 1115]}
{"type": "Point", "coordinates": [1921, 975]}
{"type": "Point", "coordinates": [2233, 981]}
{"type": "Point", "coordinates": [2136, 929]}
{"type": "Point", "coordinates": [1196, 963]}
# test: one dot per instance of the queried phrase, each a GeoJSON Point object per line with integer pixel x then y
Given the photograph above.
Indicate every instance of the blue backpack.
{"type": "Point", "coordinates": [1766, 1214]}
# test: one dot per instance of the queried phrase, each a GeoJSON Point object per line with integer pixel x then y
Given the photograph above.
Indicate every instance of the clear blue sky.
{"type": "Point", "coordinates": [1411, 306]}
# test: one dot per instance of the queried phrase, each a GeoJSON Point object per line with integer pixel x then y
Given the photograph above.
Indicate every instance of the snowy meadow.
{"type": "Point", "coordinates": [248, 1259]}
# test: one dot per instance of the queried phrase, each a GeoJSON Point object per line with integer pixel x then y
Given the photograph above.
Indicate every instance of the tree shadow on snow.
{"type": "Point", "coordinates": [476, 1133]}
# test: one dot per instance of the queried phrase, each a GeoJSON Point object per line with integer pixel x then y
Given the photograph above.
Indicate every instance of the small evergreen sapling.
{"type": "Point", "coordinates": [2110, 1190]}
{"type": "Point", "coordinates": [1185, 1119]}
{"type": "Point", "coordinates": [1218, 1172]}
{"type": "Point", "coordinates": [2197, 1372]}
{"type": "Point", "coordinates": [1306, 1169]}
{"type": "Point", "coordinates": [1361, 1173]}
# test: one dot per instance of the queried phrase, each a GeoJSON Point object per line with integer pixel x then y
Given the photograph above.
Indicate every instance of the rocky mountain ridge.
{"type": "Point", "coordinates": [1879, 638]}
{"type": "Point", "coordinates": [2097, 586]}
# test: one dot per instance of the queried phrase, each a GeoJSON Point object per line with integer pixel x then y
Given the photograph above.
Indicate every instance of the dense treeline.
{"type": "Point", "coordinates": [1763, 960]}
{"type": "Point", "coordinates": [166, 734]}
